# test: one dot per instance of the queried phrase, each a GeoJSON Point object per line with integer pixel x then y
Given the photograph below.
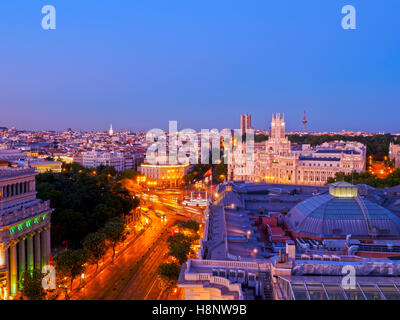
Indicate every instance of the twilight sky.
{"type": "Point", "coordinates": [139, 63]}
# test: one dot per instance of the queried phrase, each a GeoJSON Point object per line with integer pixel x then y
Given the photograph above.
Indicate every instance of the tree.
{"type": "Point", "coordinates": [221, 172]}
{"type": "Point", "coordinates": [169, 274]}
{"type": "Point", "coordinates": [190, 224]}
{"type": "Point", "coordinates": [180, 250]}
{"type": "Point", "coordinates": [115, 232]}
{"type": "Point", "coordinates": [178, 238]}
{"type": "Point", "coordinates": [83, 202]}
{"type": "Point", "coordinates": [102, 213]}
{"type": "Point", "coordinates": [197, 173]}
{"type": "Point", "coordinates": [71, 226]}
{"type": "Point", "coordinates": [70, 263]}
{"type": "Point", "coordinates": [260, 138]}
{"type": "Point", "coordinates": [393, 179]}
{"type": "Point", "coordinates": [95, 244]}
{"type": "Point", "coordinates": [106, 171]}
{"type": "Point", "coordinates": [31, 282]}
{"type": "Point", "coordinates": [127, 174]}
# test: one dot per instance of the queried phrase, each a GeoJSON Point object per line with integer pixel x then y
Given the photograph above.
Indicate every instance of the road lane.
{"type": "Point", "coordinates": [133, 275]}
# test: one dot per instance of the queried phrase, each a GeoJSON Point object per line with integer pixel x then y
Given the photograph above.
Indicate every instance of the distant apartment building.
{"type": "Point", "coordinates": [394, 154]}
{"type": "Point", "coordinates": [12, 154]}
{"type": "Point", "coordinates": [280, 162]}
{"type": "Point", "coordinates": [118, 160]}
{"type": "Point", "coordinates": [245, 122]}
{"type": "Point", "coordinates": [15, 157]}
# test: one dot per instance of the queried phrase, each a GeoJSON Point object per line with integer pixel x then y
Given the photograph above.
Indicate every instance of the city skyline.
{"type": "Point", "coordinates": [152, 63]}
{"type": "Point", "coordinates": [201, 151]}
{"type": "Point", "coordinates": [292, 129]}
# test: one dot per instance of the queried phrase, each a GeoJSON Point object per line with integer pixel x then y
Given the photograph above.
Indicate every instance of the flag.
{"type": "Point", "coordinates": [208, 173]}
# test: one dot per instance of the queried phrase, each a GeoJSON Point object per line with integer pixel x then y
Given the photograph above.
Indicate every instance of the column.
{"type": "Point", "coordinates": [21, 252]}
{"type": "Point", "coordinates": [13, 270]}
{"type": "Point", "coordinates": [48, 244]}
{"type": "Point", "coordinates": [2, 255]}
{"type": "Point", "coordinates": [37, 251]}
{"type": "Point", "coordinates": [29, 240]}
{"type": "Point", "coordinates": [44, 248]}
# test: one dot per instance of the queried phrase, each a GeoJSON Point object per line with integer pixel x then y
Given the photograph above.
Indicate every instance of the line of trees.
{"type": "Point", "coordinates": [393, 179]}
{"type": "Point", "coordinates": [84, 200]}
{"type": "Point", "coordinates": [71, 263]}
{"type": "Point", "coordinates": [179, 246]}
{"type": "Point", "coordinates": [89, 210]}
{"type": "Point", "coordinates": [377, 144]}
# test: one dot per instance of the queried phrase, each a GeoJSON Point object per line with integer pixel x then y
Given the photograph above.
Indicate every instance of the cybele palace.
{"type": "Point", "coordinates": [24, 228]}
{"type": "Point", "coordinates": [278, 161]}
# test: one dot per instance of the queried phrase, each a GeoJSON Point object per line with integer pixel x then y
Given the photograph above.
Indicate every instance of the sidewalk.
{"type": "Point", "coordinates": [91, 273]}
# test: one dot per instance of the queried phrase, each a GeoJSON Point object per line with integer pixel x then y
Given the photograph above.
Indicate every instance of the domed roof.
{"type": "Point", "coordinates": [342, 212]}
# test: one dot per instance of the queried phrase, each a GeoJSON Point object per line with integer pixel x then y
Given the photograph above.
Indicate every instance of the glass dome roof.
{"type": "Point", "coordinates": [330, 216]}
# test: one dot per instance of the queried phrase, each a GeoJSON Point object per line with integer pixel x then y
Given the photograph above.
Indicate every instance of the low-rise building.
{"type": "Point", "coordinates": [120, 161]}
{"type": "Point", "coordinates": [165, 174]}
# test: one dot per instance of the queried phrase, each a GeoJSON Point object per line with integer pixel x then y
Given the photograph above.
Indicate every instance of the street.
{"type": "Point", "coordinates": [133, 274]}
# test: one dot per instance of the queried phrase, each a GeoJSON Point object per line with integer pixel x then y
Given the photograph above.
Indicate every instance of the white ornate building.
{"type": "Point", "coordinates": [24, 228]}
{"type": "Point", "coordinates": [280, 162]}
{"type": "Point", "coordinates": [394, 154]}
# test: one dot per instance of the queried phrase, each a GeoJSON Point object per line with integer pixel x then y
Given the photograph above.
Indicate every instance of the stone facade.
{"type": "Point", "coordinates": [165, 175]}
{"type": "Point", "coordinates": [24, 228]}
{"type": "Point", "coordinates": [394, 154]}
{"type": "Point", "coordinates": [279, 162]}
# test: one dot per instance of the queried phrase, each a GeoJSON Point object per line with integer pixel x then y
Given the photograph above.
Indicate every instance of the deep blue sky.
{"type": "Point", "coordinates": [139, 63]}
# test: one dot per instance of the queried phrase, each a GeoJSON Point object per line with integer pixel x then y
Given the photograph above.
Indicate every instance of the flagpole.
{"type": "Point", "coordinates": [212, 196]}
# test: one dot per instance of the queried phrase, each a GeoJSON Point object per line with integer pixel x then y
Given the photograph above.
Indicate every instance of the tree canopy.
{"type": "Point", "coordinates": [83, 200]}
{"type": "Point", "coordinates": [115, 232]}
{"type": "Point", "coordinates": [169, 274]}
{"type": "Point", "coordinates": [70, 263]}
{"type": "Point", "coordinates": [377, 144]}
{"type": "Point", "coordinates": [96, 247]}
{"type": "Point", "coordinates": [393, 179]}
{"type": "Point", "coordinates": [31, 282]}
{"type": "Point", "coordinates": [190, 224]}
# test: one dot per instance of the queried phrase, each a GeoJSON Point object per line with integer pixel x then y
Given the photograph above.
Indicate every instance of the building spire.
{"type": "Point", "coordinates": [111, 131]}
